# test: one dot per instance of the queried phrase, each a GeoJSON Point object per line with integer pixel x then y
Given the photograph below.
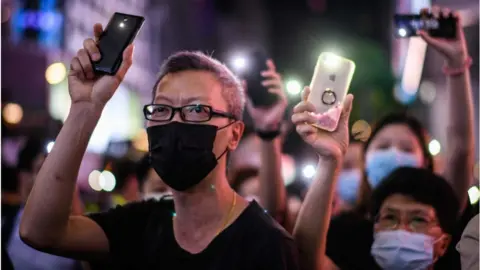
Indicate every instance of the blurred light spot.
{"type": "Point", "coordinates": [402, 32]}
{"type": "Point", "coordinates": [413, 67]}
{"type": "Point", "coordinates": [427, 92]}
{"type": "Point", "coordinates": [308, 171]}
{"type": "Point", "coordinates": [140, 141]}
{"type": "Point", "coordinates": [473, 194]}
{"type": "Point", "coordinates": [361, 130]}
{"type": "Point", "coordinates": [12, 113]}
{"type": "Point", "coordinates": [49, 146]}
{"type": "Point", "coordinates": [121, 25]}
{"type": "Point", "coordinates": [288, 169]}
{"type": "Point", "coordinates": [294, 87]}
{"type": "Point", "coordinates": [434, 147]}
{"type": "Point", "coordinates": [94, 180]}
{"type": "Point", "coordinates": [56, 73]}
{"type": "Point", "coordinates": [239, 63]}
{"type": "Point", "coordinates": [107, 181]}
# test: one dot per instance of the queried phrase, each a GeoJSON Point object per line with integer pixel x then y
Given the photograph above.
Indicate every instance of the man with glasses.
{"type": "Point", "coordinates": [193, 122]}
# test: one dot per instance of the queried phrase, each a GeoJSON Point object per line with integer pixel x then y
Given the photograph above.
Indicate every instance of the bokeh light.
{"type": "Point", "coordinates": [434, 147]}
{"type": "Point", "coordinates": [239, 62]}
{"type": "Point", "coordinates": [293, 87]}
{"type": "Point", "coordinates": [56, 73]}
{"type": "Point", "coordinates": [107, 181]}
{"type": "Point", "coordinates": [474, 194]}
{"type": "Point", "coordinates": [361, 130]}
{"type": "Point", "coordinates": [308, 171]}
{"type": "Point", "coordinates": [49, 146]}
{"type": "Point", "coordinates": [12, 113]}
{"type": "Point", "coordinates": [94, 180]}
{"type": "Point", "coordinates": [427, 92]}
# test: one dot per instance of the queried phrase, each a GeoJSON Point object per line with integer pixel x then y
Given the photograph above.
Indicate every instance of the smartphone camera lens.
{"type": "Point", "coordinates": [126, 19]}
{"type": "Point", "coordinates": [332, 77]}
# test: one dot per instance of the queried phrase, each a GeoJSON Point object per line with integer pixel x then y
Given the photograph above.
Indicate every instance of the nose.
{"type": "Point", "coordinates": [177, 117]}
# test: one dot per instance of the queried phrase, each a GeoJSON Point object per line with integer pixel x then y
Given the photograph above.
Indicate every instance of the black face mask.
{"type": "Point", "coordinates": [181, 154]}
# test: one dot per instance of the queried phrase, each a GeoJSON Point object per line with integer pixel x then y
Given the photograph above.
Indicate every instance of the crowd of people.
{"type": "Point", "coordinates": [378, 204]}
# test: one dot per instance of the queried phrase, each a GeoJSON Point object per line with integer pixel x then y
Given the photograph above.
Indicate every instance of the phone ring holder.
{"type": "Point", "coordinates": [329, 97]}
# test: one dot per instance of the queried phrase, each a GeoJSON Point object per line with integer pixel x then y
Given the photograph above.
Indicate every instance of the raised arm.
{"type": "Point", "coordinates": [460, 136]}
{"type": "Point", "coordinates": [310, 232]}
{"type": "Point", "coordinates": [46, 222]}
{"type": "Point", "coordinates": [268, 122]}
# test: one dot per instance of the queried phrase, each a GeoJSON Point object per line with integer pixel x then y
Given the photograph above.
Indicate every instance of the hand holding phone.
{"type": "Point", "coordinates": [257, 92]}
{"type": "Point", "coordinates": [330, 83]}
{"type": "Point", "coordinates": [85, 86]}
{"type": "Point", "coordinates": [436, 24]}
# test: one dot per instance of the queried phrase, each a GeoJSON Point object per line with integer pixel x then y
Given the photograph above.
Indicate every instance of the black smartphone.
{"type": "Point", "coordinates": [256, 91]}
{"type": "Point", "coordinates": [407, 25]}
{"type": "Point", "coordinates": [120, 32]}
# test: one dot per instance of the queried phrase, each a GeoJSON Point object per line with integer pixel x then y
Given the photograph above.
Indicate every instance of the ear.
{"type": "Point", "coordinates": [237, 132]}
{"type": "Point", "coordinates": [443, 244]}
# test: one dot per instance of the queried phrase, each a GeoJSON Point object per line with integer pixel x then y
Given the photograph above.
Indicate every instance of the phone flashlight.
{"type": "Point", "coordinates": [402, 32]}
{"type": "Point", "coordinates": [331, 60]}
{"type": "Point", "coordinates": [239, 63]}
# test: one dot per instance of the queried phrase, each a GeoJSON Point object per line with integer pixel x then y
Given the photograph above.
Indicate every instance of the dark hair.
{"type": "Point", "coordinates": [142, 169]}
{"type": "Point", "coordinates": [32, 148]}
{"type": "Point", "coordinates": [423, 186]}
{"type": "Point", "coordinates": [9, 178]}
{"type": "Point", "coordinates": [413, 124]}
{"type": "Point", "coordinates": [233, 91]}
{"type": "Point", "coordinates": [122, 169]}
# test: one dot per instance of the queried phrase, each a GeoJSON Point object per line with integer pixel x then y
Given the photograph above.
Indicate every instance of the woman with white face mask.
{"type": "Point", "coordinates": [415, 216]}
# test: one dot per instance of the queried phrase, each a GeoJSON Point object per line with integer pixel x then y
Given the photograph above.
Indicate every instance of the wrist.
{"type": "Point", "coordinates": [457, 61]}
{"type": "Point", "coordinates": [86, 109]}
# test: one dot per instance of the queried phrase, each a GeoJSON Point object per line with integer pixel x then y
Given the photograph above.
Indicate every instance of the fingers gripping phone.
{"type": "Point", "coordinates": [329, 87]}
{"type": "Point", "coordinates": [120, 32]}
{"type": "Point", "coordinates": [256, 91]}
{"type": "Point", "coordinates": [407, 25]}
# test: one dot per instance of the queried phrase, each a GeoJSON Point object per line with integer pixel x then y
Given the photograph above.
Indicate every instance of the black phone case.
{"type": "Point", "coordinates": [101, 68]}
{"type": "Point", "coordinates": [256, 91]}
{"type": "Point", "coordinates": [447, 25]}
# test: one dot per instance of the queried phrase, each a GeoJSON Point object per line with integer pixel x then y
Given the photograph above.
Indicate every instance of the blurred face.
{"type": "Point", "coordinates": [27, 178]}
{"type": "Point", "coordinates": [399, 212]}
{"type": "Point", "coordinates": [353, 157]}
{"type": "Point", "coordinates": [397, 136]}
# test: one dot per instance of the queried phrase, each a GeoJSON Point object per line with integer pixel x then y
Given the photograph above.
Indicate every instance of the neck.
{"type": "Point", "coordinates": [206, 203]}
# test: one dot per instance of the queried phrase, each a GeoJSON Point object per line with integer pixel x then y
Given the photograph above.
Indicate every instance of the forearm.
{"type": "Point", "coordinates": [49, 205]}
{"type": "Point", "coordinates": [272, 188]}
{"type": "Point", "coordinates": [460, 134]}
{"type": "Point", "coordinates": [310, 232]}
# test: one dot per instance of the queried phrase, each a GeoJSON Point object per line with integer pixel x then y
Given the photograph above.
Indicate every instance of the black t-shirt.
{"type": "Point", "coordinates": [350, 238]}
{"type": "Point", "coordinates": [141, 237]}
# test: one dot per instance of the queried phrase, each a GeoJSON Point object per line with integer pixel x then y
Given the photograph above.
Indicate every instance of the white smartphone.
{"type": "Point", "coordinates": [329, 87]}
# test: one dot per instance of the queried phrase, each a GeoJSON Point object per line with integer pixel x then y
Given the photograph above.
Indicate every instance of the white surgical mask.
{"type": "Point", "coordinates": [403, 250]}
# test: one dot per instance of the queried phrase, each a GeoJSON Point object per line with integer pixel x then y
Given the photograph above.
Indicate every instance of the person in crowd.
{"type": "Point", "coordinates": [150, 184]}
{"type": "Point", "coordinates": [30, 159]}
{"type": "Point", "coordinates": [126, 183]}
{"type": "Point", "coordinates": [350, 178]}
{"type": "Point", "coordinates": [468, 246]}
{"type": "Point", "coordinates": [11, 203]}
{"type": "Point", "coordinates": [396, 141]}
{"type": "Point", "coordinates": [194, 121]}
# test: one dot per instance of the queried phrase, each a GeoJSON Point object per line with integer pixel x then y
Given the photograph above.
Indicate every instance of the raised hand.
{"type": "Point", "coordinates": [267, 119]}
{"type": "Point", "coordinates": [87, 87]}
{"type": "Point", "coordinates": [326, 144]}
{"type": "Point", "coordinates": [454, 50]}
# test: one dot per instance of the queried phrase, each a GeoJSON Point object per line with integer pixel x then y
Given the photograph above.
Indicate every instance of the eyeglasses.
{"type": "Point", "coordinates": [415, 222]}
{"type": "Point", "coordinates": [190, 113]}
